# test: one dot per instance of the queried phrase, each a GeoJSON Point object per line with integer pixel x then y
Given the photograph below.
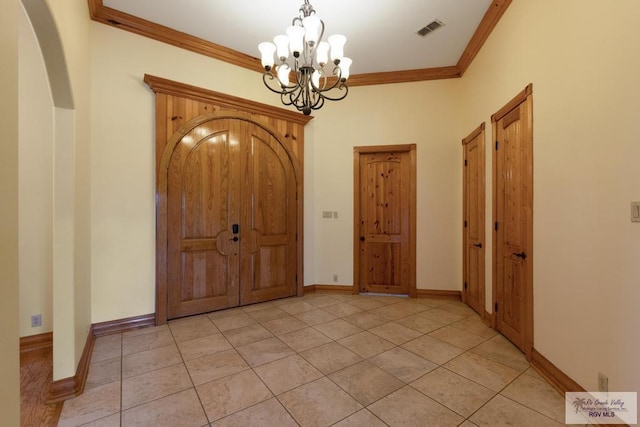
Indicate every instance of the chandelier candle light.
{"type": "Point", "coordinates": [309, 66]}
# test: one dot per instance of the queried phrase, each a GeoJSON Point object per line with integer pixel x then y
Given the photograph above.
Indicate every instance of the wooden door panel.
{"type": "Point", "coordinates": [205, 274]}
{"type": "Point", "coordinates": [384, 267]}
{"type": "Point", "coordinates": [511, 317]}
{"type": "Point", "coordinates": [385, 197]}
{"type": "Point", "coordinates": [474, 222]}
{"type": "Point", "coordinates": [268, 230]}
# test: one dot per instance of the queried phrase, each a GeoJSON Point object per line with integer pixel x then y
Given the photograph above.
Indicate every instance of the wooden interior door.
{"type": "Point", "coordinates": [231, 218]}
{"type": "Point", "coordinates": [513, 210]}
{"type": "Point", "coordinates": [473, 291]}
{"type": "Point", "coordinates": [385, 219]}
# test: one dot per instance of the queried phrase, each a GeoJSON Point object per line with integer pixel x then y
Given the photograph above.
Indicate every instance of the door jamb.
{"type": "Point", "coordinates": [411, 149]}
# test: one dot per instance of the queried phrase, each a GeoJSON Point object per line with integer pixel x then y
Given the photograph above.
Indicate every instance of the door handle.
{"type": "Point", "coordinates": [235, 238]}
{"type": "Point", "coordinates": [520, 255]}
{"type": "Point", "coordinates": [478, 245]}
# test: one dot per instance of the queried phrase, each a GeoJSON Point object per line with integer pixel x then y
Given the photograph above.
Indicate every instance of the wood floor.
{"type": "Point", "coordinates": [36, 373]}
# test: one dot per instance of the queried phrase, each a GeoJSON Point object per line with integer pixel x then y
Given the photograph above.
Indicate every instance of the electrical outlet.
{"type": "Point", "coordinates": [335, 278]}
{"type": "Point", "coordinates": [36, 320]}
{"type": "Point", "coordinates": [635, 211]}
{"type": "Point", "coordinates": [603, 382]}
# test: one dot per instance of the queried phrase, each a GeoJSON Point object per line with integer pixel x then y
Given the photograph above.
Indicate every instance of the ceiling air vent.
{"type": "Point", "coordinates": [431, 27]}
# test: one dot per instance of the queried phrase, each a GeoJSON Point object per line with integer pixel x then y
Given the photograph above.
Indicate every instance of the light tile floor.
{"type": "Point", "coordinates": [319, 360]}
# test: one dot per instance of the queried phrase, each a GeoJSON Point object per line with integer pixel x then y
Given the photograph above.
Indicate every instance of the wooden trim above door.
{"type": "Point", "coordinates": [357, 151]}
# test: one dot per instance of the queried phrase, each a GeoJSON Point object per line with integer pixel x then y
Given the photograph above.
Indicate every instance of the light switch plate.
{"type": "Point", "coordinates": [635, 211]}
{"type": "Point", "coordinates": [327, 214]}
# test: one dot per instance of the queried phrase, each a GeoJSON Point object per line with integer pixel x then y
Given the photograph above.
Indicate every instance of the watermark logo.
{"type": "Point", "coordinates": [601, 408]}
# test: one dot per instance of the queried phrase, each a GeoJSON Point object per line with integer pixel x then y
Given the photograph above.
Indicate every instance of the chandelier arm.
{"type": "Point", "coordinates": [281, 90]}
{"type": "Point", "coordinates": [342, 87]}
{"type": "Point", "coordinates": [318, 105]}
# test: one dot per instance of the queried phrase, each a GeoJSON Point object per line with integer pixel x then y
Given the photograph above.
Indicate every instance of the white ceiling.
{"type": "Point", "coordinates": [381, 34]}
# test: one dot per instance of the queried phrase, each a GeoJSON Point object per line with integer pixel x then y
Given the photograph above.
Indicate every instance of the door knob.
{"type": "Point", "coordinates": [478, 245]}
{"type": "Point", "coordinates": [235, 238]}
{"type": "Point", "coordinates": [520, 255]}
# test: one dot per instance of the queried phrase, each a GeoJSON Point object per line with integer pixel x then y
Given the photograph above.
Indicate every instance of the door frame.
{"type": "Point", "coordinates": [524, 97]}
{"type": "Point", "coordinates": [480, 134]}
{"type": "Point", "coordinates": [402, 148]}
{"type": "Point", "coordinates": [161, 201]}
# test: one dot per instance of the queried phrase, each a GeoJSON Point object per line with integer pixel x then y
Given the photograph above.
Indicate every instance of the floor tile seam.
{"type": "Point", "coordinates": [520, 403]}
{"type": "Point", "coordinates": [530, 408]}
{"type": "Point", "coordinates": [184, 363]}
{"type": "Point", "coordinates": [122, 410]}
{"type": "Point", "coordinates": [287, 409]}
{"type": "Point", "coordinates": [443, 404]}
{"type": "Point", "coordinates": [364, 408]}
{"type": "Point", "coordinates": [494, 361]}
{"type": "Point", "coordinates": [241, 409]}
{"type": "Point", "coordinates": [423, 394]}
{"type": "Point", "coordinates": [445, 342]}
{"type": "Point", "coordinates": [472, 380]}
{"type": "Point", "coordinates": [462, 375]}
{"type": "Point", "coordinates": [484, 339]}
{"type": "Point", "coordinates": [331, 338]}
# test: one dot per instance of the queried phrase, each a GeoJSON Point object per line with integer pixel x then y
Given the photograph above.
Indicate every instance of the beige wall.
{"type": "Point", "coordinates": [9, 291]}
{"type": "Point", "coordinates": [422, 113]}
{"type": "Point", "coordinates": [586, 151]}
{"type": "Point", "coordinates": [123, 171]}
{"type": "Point", "coordinates": [36, 186]}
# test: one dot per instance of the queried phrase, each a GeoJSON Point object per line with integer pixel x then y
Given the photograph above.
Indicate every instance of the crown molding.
{"type": "Point", "coordinates": [124, 21]}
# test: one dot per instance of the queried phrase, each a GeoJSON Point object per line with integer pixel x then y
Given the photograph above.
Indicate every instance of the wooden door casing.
{"type": "Point", "coordinates": [513, 220]}
{"type": "Point", "coordinates": [384, 219]}
{"type": "Point", "coordinates": [176, 104]}
{"type": "Point", "coordinates": [473, 292]}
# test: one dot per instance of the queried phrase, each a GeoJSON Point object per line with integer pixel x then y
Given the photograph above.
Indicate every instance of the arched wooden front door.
{"type": "Point", "coordinates": [228, 202]}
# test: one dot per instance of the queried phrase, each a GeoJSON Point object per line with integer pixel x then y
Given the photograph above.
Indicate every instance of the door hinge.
{"type": "Point", "coordinates": [496, 145]}
{"type": "Point", "coordinates": [495, 307]}
{"type": "Point", "coordinates": [465, 162]}
{"type": "Point", "coordinates": [465, 285]}
{"type": "Point", "coordinates": [465, 223]}
{"type": "Point", "coordinates": [495, 226]}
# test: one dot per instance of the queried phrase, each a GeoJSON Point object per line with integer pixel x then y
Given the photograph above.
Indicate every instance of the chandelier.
{"type": "Point", "coordinates": [307, 79]}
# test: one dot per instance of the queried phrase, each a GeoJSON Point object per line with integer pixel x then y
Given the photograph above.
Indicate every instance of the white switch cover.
{"type": "Point", "coordinates": [635, 211]}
